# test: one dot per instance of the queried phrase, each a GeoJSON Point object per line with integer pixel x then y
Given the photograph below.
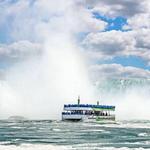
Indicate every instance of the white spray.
{"type": "Point", "coordinates": [39, 86]}
{"type": "Point", "coordinates": [130, 96]}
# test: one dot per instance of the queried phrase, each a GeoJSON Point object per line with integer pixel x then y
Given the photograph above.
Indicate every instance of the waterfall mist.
{"type": "Point", "coordinates": [39, 87]}
{"type": "Point", "coordinates": [130, 96]}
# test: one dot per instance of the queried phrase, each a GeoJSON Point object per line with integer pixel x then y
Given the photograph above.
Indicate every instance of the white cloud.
{"type": "Point", "coordinates": [137, 12]}
{"type": "Point", "coordinates": [139, 21]}
{"type": "Point", "coordinates": [19, 50]}
{"type": "Point", "coordinates": [44, 20]}
{"type": "Point", "coordinates": [126, 8]}
{"type": "Point", "coordinates": [117, 71]}
{"type": "Point", "coordinates": [37, 20]}
{"type": "Point", "coordinates": [107, 45]}
{"type": "Point", "coordinates": [110, 43]}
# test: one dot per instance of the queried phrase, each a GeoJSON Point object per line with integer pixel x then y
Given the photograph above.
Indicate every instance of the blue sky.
{"type": "Point", "coordinates": [4, 32]}
{"type": "Point", "coordinates": [117, 23]}
{"type": "Point", "coordinates": [99, 25]}
{"type": "Point", "coordinates": [127, 61]}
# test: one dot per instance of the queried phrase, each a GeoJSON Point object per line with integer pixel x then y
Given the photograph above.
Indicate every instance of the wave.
{"type": "Point", "coordinates": [32, 147]}
{"type": "Point", "coordinates": [52, 147]}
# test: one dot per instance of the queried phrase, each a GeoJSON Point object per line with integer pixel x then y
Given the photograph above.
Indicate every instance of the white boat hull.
{"type": "Point", "coordinates": [87, 118]}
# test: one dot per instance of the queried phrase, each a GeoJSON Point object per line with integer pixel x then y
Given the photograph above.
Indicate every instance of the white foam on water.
{"type": "Point", "coordinates": [122, 148]}
{"type": "Point", "coordinates": [99, 146]}
{"type": "Point", "coordinates": [54, 147]}
{"type": "Point", "coordinates": [32, 147]}
{"type": "Point", "coordinates": [123, 124]}
{"type": "Point", "coordinates": [143, 134]}
{"type": "Point", "coordinates": [56, 130]}
{"type": "Point", "coordinates": [108, 148]}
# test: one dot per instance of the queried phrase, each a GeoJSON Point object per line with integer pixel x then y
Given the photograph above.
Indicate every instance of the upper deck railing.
{"type": "Point", "coordinates": [89, 106]}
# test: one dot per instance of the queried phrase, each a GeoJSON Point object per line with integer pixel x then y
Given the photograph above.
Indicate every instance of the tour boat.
{"type": "Point", "coordinates": [88, 112]}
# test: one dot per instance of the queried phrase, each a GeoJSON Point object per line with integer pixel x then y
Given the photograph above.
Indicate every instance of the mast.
{"type": "Point", "coordinates": [97, 102]}
{"type": "Point", "coordinates": [78, 100]}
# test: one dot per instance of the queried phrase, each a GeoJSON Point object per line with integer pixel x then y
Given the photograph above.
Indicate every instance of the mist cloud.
{"type": "Point", "coordinates": [49, 69]}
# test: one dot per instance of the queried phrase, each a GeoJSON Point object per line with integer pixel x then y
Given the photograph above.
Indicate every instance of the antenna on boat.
{"type": "Point", "coordinates": [79, 100]}
{"type": "Point", "coordinates": [97, 102]}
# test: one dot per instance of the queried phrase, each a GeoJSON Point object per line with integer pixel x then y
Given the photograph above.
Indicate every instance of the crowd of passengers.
{"type": "Point", "coordinates": [97, 113]}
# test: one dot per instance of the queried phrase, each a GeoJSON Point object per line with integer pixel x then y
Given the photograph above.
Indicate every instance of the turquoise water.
{"type": "Point", "coordinates": [51, 135]}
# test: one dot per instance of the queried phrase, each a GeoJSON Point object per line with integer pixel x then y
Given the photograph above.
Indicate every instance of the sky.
{"type": "Point", "coordinates": [70, 43]}
{"type": "Point", "coordinates": [111, 33]}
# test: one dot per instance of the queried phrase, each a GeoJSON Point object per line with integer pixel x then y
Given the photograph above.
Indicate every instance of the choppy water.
{"type": "Point", "coordinates": [54, 135]}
